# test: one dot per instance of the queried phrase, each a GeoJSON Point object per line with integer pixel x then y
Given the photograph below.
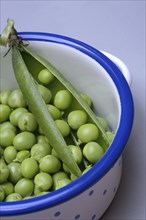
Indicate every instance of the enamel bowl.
{"type": "Point", "coordinates": [99, 75]}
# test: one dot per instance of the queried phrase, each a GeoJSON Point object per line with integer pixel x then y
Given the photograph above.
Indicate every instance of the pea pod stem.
{"type": "Point", "coordinates": [42, 115]}
{"type": "Point", "coordinates": [9, 29]}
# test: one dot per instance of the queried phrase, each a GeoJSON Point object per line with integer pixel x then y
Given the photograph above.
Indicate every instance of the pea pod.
{"type": "Point", "coordinates": [25, 62]}
{"type": "Point", "coordinates": [36, 63]}
{"type": "Point", "coordinates": [40, 111]}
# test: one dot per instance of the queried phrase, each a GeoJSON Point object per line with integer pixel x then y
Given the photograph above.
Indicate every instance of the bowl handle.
{"type": "Point", "coordinates": [121, 65]}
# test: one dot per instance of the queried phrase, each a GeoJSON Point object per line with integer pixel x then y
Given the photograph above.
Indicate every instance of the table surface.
{"type": "Point", "coordinates": [117, 27]}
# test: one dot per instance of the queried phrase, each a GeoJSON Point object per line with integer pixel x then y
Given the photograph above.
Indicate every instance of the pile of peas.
{"type": "Point", "coordinates": [29, 166]}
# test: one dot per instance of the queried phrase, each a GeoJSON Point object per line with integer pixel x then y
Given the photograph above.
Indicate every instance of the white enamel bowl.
{"type": "Point", "coordinates": [93, 73]}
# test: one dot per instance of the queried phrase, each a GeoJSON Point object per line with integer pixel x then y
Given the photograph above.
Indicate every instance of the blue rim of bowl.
{"type": "Point", "coordinates": [111, 155]}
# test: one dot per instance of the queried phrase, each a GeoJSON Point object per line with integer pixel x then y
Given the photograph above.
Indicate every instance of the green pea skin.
{"type": "Point", "coordinates": [93, 152]}
{"type": "Point", "coordinates": [45, 93]}
{"type": "Point", "coordinates": [29, 168]}
{"type": "Point", "coordinates": [76, 119]}
{"type": "Point", "coordinates": [15, 172]}
{"type": "Point", "coordinates": [63, 127]}
{"type": "Point", "coordinates": [43, 181]}
{"type": "Point", "coordinates": [45, 77]}
{"type": "Point", "coordinates": [87, 169]}
{"type": "Point", "coordinates": [41, 193]}
{"type": "Point", "coordinates": [63, 99]}
{"type": "Point", "coordinates": [24, 140]}
{"type": "Point", "coordinates": [4, 171]}
{"type": "Point", "coordinates": [77, 153]}
{"type": "Point", "coordinates": [40, 150]}
{"type": "Point", "coordinates": [59, 176]}
{"type": "Point", "coordinates": [8, 188]}
{"type": "Point", "coordinates": [110, 135]}
{"type": "Point", "coordinates": [2, 194]}
{"type": "Point", "coordinates": [42, 139]}
{"type": "Point", "coordinates": [4, 112]}
{"type": "Point", "coordinates": [65, 168]}
{"type": "Point", "coordinates": [27, 122]}
{"type": "Point", "coordinates": [50, 164]}
{"type": "Point", "coordinates": [55, 112]}
{"type": "Point", "coordinates": [62, 183]}
{"type": "Point", "coordinates": [16, 99]}
{"type": "Point", "coordinates": [13, 197]}
{"type": "Point", "coordinates": [22, 155]}
{"type": "Point", "coordinates": [6, 137]}
{"type": "Point", "coordinates": [87, 99]}
{"type": "Point", "coordinates": [24, 187]}
{"type": "Point", "coordinates": [4, 95]}
{"type": "Point", "coordinates": [15, 115]}
{"type": "Point", "coordinates": [103, 123]}
{"type": "Point", "coordinates": [10, 154]}
{"type": "Point", "coordinates": [87, 132]}
{"type": "Point", "coordinates": [8, 125]}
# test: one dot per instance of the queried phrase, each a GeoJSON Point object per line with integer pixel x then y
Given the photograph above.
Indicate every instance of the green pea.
{"type": "Point", "coordinates": [88, 132]}
{"type": "Point", "coordinates": [54, 153]}
{"type": "Point", "coordinates": [4, 171]}
{"type": "Point", "coordinates": [76, 119]}
{"type": "Point", "coordinates": [42, 139]}
{"type": "Point", "coordinates": [110, 136]}
{"type": "Point", "coordinates": [15, 115]}
{"type": "Point", "coordinates": [77, 153]}
{"type": "Point", "coordinates": [45, 76]}
{"type": "Point", "coordinates": [15, 172]}
{"type": "Point", "coordinates": [43, 181]}
{"type": "Point", "coordinates": [73, 177]}
{"type": "Point", "coordinates": [65, 168]}
{"type": "Point", "coordinates": [62, 183]}
{"type": "Point", "coordinates": [40, 150]}
{"type": "Point", "coordinates": [41, 193]}
{"type": "Point", "coordinates": [24, 140]}
{"type": "Point", "coordinates": [40, 131]}
{"type": "Point", "coordinates": [54, 111]}
{"type": "Point", "coordinates": [16, 99]}
{"type": "Point", "coordinates": [87, 99]}
{"type": "Point", "coordinates": [4, 95]}
{"type": "Point", "coordinates": [4, 112]}
{"type": "Point", "coordinates": [27, 122]}
{"type": "Point", "coordinates": [45, 93]}
{"type": "Point", "coordinates": [21, 155]}
{"type": "Point", "coordinates": [29, 168]}
{"type": "Point", "coordinates": [8, 125]}
{"type": "Point", "coordinates": [13, 197]}
{"type": "Point", "coordinates": [6, 137]}
{"type": "Point", "coordinates": [63, 127]}
{"type": "Point", "coordinates": [8, 188]}
{"type": "Point", "coordinates": [62, 99]}
{"type": "Point", "coordinates": [93, 152]}
{"type": "Point", "coordinates": [24, 187]}
{"type": "Point", "coordinates": [10, 154]}
{"type": "Point", "coordinates": [28, 197]}
{"type": "Point", "coordinates": [50, 164]}
{"type": "Point", "coordinates": [87, 169]}
{"type": "Point", "coordinates": [103, 123]}
{"type": "Point", "coordinates": [59, 176]}
{"type": "Point", "coordinates": [2, 194]}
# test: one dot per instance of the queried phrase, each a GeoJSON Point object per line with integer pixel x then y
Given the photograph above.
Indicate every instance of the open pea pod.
{"type": "Point", "coordinates": [38, 107]}
{"type": "Point", "coordinates": [35, 64]}
{"type": "Point", "coordinates": [26, 67]}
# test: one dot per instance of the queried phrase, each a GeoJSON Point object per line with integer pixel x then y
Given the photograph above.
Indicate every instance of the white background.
{"type": "Point", "coordinates": [117, 27]}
